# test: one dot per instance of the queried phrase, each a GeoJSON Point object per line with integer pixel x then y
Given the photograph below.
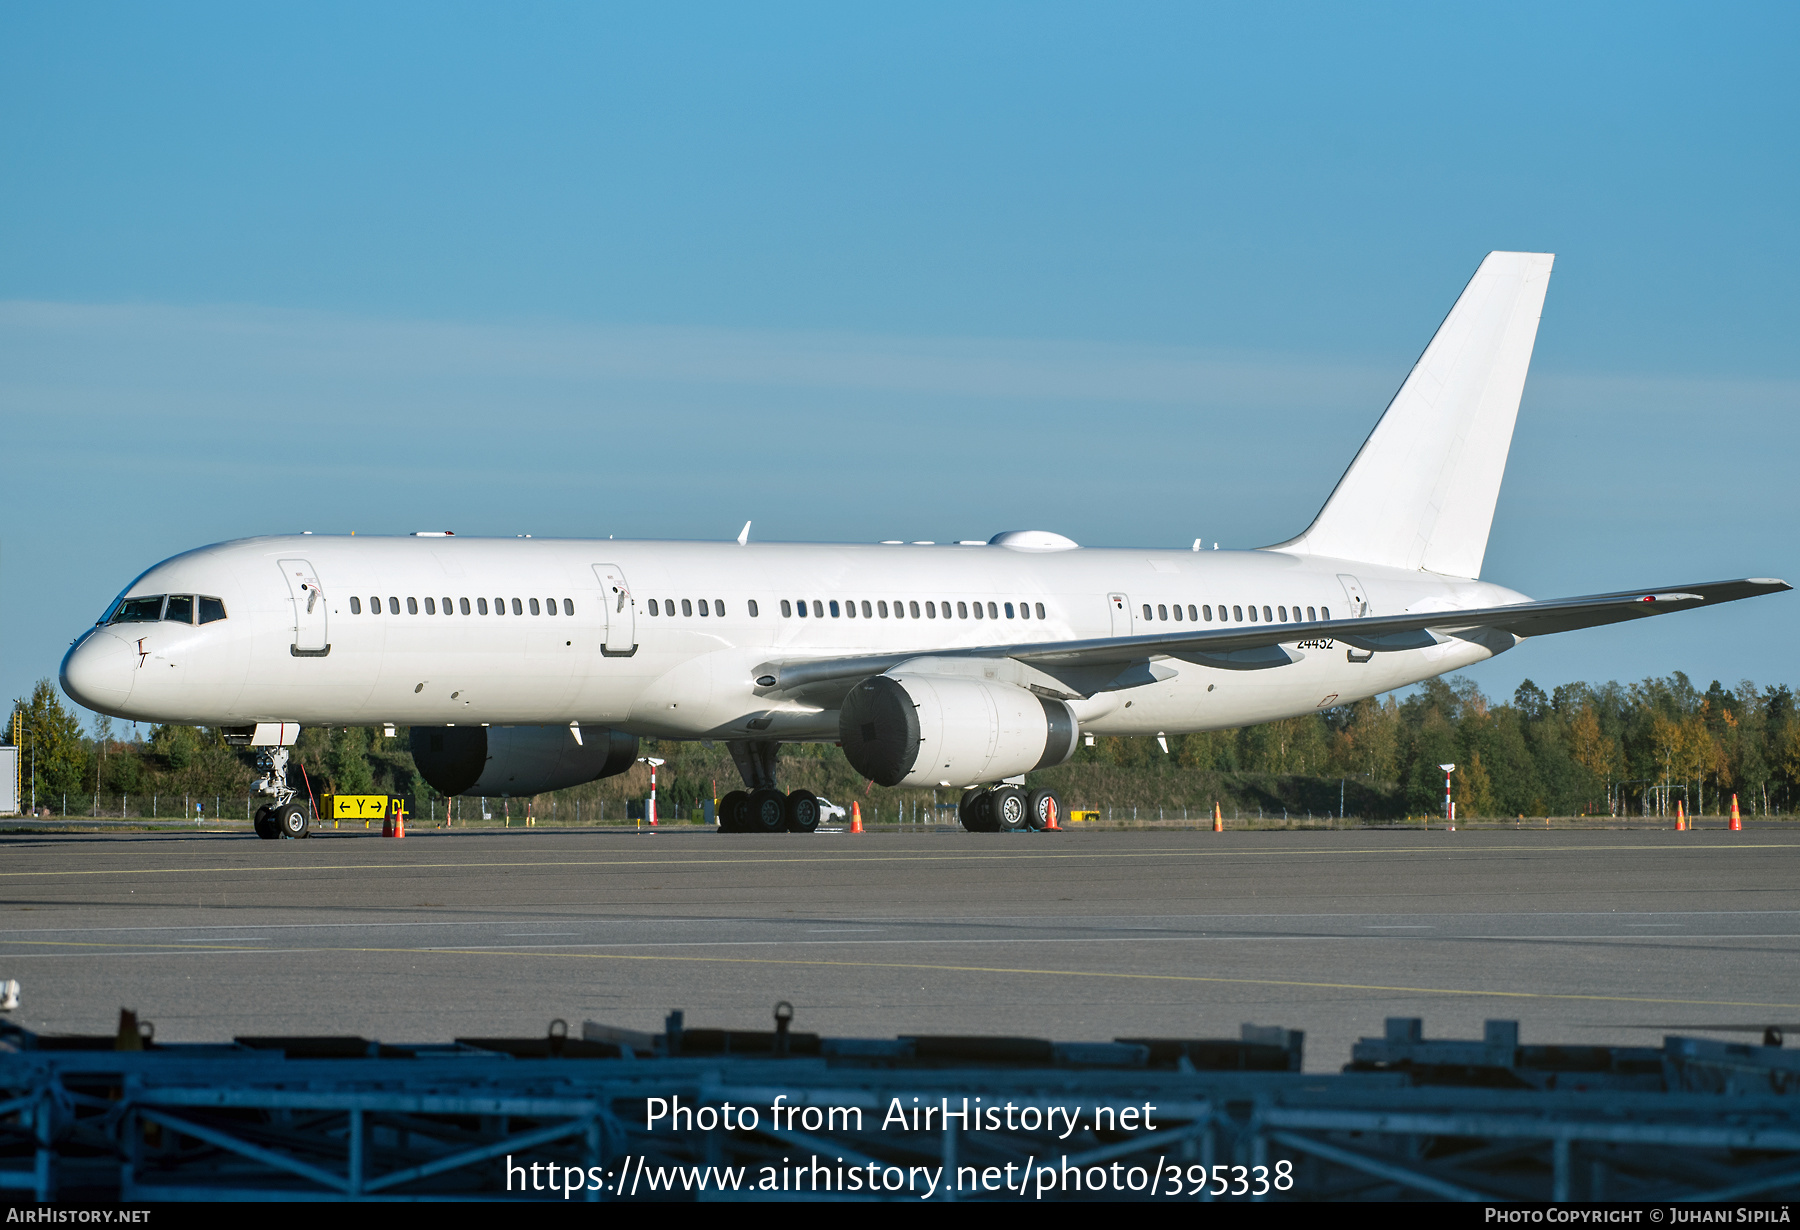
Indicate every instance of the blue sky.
{"type": "Point", "coordinates": [1133, 273]}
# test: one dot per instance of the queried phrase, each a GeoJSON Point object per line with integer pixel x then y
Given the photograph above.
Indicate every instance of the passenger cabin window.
{"type": "Point", "coordinates": [1325, 612]}
{"type": "Point", "coordinates": [1162, 612]}
{"type": "Point", "coordinates": [1311, 615]}
{"type": "Point", "coordinates": [850, 608]}
{"type": "Point", "coordinates": [687, 608]}
{"type": "Point", "coordinates": [1266, 617]}
{"type": "Point", "coordinates": [787, 609]}
{"type": "Point", "coordinates": [518, 609]}
{"type": "Point", "coordinates": [1237, 614]}
{"type": "Point", "coordinates": [931, 610]}
{"type": "Point", "coordinates": [868, 611]}
{"type": "Point", "coordinates": [1147, 614]}
{"type": "Point", "coordinates": [212, 610]}
{"type": "Point", "coordinates": [374, 605]}
{"type": "Point", "coordinates": [1282, 611]}
{"type": "Point", "coordinates": [1206, 613]}
{"type": "Point", "coordinates": [962, 610]}
{"type": "Point", "coordinates": [654, 609]}
{"type": "Point", "coordinates": [412, 606]}
{"type": "Point", "coordinates": [753, 611]}
{"type": "Point", "coordinates": [835, 609]}
{"type": "Point", "coordinates": [1193, 615]}
{"type": "Point", "coordinates": [1009, 610]}
{"type": "Point", "coordinates": [430, 607]}
{"type": "Point", "coordinates": [462, 604]}
{"type": "Point", "coordinates": [1253, 614]}
{"type": "Point", "coordinates": [882, 608]}
{"type": "Point", "coordinates": [355, 605]}
{"type": "Point", "coordinates": [534, 606]}
{"type": "Point", "coordinates": [569, 607]}
{"type": "Point", "coordinates": [481, 605]}
{"type": "Point", "coordinates": [978, 610]}
{"type": "Point", "coordinates": [818, 609]}
{"type": "Point", "coordinates": [393, 606]}
{"type": "Point", "coordinates": [913, 608]}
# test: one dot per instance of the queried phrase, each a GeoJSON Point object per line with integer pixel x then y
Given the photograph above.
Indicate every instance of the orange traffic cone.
{"type": "Point", "coordinates": [1051, 826]}
{"type": "Point", "coordinates": [1680, 818]}
{"type": "Point", "coordinates": [855, 817]}
{"type": "Point", "coordinates": [400, 821]}
{"type": "Point", "coordinates": [1737, 823]}
{"type": "Point", "coordinates": [1218, 819]}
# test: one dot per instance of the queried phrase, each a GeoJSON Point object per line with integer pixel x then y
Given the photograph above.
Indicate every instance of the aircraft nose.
{"type": "Point", "coordinates": [99, 671]}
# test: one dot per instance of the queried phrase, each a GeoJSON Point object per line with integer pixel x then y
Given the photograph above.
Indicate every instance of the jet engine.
{"type": "Point", "coordinates": [918, 730]}
{"type": "Point", "coordinates": [502, 761]}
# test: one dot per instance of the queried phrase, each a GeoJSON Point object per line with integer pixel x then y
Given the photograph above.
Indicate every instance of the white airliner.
{"type": "Point", "coordinates": [527, 665]}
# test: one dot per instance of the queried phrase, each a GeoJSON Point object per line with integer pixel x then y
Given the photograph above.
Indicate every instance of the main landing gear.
{"type": "Point", "coordinates": [283, 817]}
{"type": "Point", "coordinates": [1008, 809]}
{"type": "Point", "coordinates": [768, 811]}
{"type": "Point", "coordinates": [762, 808]}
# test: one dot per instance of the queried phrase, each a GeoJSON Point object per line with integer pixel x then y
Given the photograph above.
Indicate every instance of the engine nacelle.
{"type": "Point", "coordinates": [928, 730]}
{"type": "Point", "coordinates": [514, 761]}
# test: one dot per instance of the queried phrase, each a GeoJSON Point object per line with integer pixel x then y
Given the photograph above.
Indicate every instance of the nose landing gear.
{"type": "Point", "coordinates": [283, 817]}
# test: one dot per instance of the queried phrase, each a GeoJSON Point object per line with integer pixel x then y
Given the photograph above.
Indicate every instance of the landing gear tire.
{"type": "Point", "coordinates": [731, 811]}
{"type": "Point", "coordinates": [802, 811]}
{"type": "Point", "coordinates": [290, 821]}
{"type": "Point", "coordinates": [1009, 809]}
{"type": "Point", "coordinates": [1042, 805]}
{"type": "Point", "coordinates": [264, 826]}
{"type": "Point", "coordinates": [974, 812]}
{"type": "Point", "coordinates": [765, 812]}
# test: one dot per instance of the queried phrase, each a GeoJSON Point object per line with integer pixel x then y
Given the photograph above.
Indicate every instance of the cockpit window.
{"type": "Point", "coordinates": [138, 611]}
{"type": "Point", "coordinates": [211, 610]}
{"type": "Point", "coordinates": [180, 609]}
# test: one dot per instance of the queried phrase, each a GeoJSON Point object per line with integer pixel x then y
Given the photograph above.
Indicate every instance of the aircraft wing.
{"type": "Point", "coordinates": [1260, 646]}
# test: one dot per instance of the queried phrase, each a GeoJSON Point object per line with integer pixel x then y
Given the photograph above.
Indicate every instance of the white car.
{"type": "Point", "coordinates": [831, 813]}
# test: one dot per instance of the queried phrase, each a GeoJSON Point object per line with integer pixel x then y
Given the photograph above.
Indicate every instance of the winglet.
{"type": "Point", "coordinates": [744, 534]}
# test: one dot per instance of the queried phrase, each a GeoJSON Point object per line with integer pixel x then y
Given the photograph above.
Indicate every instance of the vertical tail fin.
{"type": "Point", "coordinates": [1421, 491]}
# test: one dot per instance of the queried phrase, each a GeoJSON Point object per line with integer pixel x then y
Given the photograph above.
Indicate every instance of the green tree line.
{"type": "Point", "coordinates": [1620, 749]}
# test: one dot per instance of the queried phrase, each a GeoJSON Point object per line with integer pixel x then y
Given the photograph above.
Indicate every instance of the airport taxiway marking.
{"type": "Point", "coordinates": [1022, 971]}
{"type": "Point", "coordinates": [839, 858]}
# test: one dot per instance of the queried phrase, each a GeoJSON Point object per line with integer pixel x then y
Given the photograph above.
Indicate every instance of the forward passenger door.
{"type": "Point", "coordinates": [310, 639]}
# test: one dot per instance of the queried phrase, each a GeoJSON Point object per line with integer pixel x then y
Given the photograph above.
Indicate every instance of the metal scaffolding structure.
{"type": "Point", "coordinates": [715, 1114]}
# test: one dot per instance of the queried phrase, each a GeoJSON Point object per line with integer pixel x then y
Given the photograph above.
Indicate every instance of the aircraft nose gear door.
{"type": "Point", "coordinates": [621, 611]}
{"type": "Point", "coordinates": [310, 640]}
